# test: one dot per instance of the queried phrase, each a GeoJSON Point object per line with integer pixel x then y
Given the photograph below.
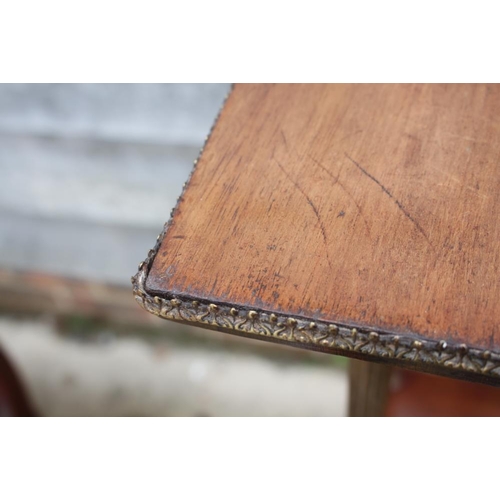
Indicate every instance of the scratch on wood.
{"type": "Point", "coordinates": [466, 138]}
{"type": "Point", "coordinates": [346, 191]}
{"type": "Point", "coordinates": [313, 207]}
{"type": "Point", "coordinates": [284, 138]}
{"type": "Point", "coordinates": [335, 181]}
{"type": "Point", "coordinates": [395, 200]}
{"type": "Point", "coordinates": [287, 145]}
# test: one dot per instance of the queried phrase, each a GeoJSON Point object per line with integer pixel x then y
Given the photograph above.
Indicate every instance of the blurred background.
{"type": "Point", "coordinates": [88, 176]}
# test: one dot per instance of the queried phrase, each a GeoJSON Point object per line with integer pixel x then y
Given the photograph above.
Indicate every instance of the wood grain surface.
{"type": "Point", "coordinates": [374, 206]}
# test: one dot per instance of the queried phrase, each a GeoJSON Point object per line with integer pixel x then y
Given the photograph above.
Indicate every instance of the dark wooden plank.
{"type": "Point", "coordinates": [374, 207]}
{"type": "Point", "coordinates": [415, 394]}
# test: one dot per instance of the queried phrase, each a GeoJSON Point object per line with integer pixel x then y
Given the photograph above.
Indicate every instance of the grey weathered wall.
{"type": "Point", "coordinates": [90, 172]}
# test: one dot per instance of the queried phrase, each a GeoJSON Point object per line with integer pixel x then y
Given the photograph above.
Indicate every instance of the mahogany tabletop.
{"type": "Point", "coordinates": [361, 220]}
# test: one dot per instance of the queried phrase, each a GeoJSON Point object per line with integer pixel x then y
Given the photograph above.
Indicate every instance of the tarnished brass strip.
{"type": "Point", "coordinates": [318, 334]}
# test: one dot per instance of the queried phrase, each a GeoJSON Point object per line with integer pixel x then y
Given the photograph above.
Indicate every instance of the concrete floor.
{"type": "Point", "coordinates": [110, 375]}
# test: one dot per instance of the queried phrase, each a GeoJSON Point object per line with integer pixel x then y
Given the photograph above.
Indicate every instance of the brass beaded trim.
{"type": "Point", "coordinates": [318, 334]}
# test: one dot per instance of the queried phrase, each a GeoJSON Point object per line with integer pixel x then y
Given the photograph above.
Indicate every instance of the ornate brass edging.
{"type": "Point", "coordinates": [404, 350]}
{"type": "Point", "coordinates": [318, 334]}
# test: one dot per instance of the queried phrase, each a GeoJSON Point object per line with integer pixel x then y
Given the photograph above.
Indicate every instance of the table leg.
{"type": "Point", "coordinates": [368, 388]}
